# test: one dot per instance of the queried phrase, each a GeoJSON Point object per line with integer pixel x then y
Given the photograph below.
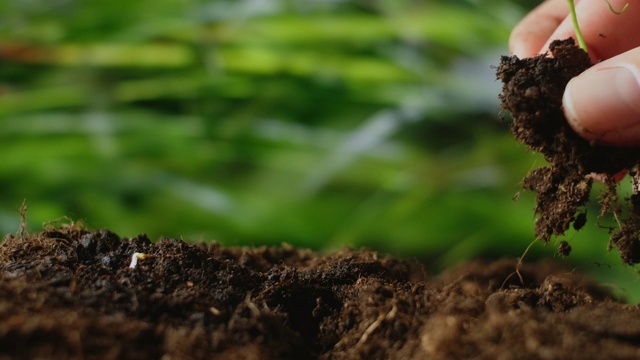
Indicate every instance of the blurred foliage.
{"type": "Point", "coordinates": [317, 123]}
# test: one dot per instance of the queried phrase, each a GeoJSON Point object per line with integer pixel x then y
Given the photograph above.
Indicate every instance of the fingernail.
{"type": "Point", "coordinates": [603, 104]}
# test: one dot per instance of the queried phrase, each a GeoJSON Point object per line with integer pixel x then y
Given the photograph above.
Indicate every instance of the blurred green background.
{"type": "Point", "coordinates": [320, 123]}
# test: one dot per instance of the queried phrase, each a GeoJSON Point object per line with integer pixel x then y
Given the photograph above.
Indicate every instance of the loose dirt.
{"type": "Point", "coordinates": [532, 94]}
{"type": "Point", "coordinates": [70, 293]}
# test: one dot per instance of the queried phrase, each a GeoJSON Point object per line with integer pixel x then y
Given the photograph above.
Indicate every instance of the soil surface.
{"type": "Point", "coordinates": [71, 293]}
{"type": "Point", "coordinates": [532, 93]}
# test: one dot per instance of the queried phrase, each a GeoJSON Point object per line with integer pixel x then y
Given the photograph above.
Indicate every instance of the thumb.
{"type": "Point", "coordinates": [603, 103]}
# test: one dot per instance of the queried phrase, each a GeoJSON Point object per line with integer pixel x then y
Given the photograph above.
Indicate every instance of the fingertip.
{"type": "Point", "coordinates": [522, 51]}
{"type": "Point", "coordinates": [525, 42]}
{"type": "Point", "coordinates": [530, 35]}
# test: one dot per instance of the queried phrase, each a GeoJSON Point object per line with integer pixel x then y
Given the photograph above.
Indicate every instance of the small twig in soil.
{"type": "Point", "coordinates": [23, 219]}
{"type": "Point", "coordinates": [371, 328]}
{"type": "Point", "coordinates": [251, 305]}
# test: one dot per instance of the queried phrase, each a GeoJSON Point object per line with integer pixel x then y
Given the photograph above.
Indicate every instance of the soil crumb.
{"type": "Point", "coordinates": [70, 293]}
{"type": "Point", "coordinates": [532, 93]}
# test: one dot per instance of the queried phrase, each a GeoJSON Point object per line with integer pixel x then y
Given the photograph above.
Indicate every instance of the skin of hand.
{"type": "Point", "coordinates": [603, 103]}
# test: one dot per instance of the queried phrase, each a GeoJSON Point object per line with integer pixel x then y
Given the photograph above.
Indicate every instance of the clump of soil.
{"type": "Point", "coordinates": [532, 92]}
{"type": "Point", "coordinates": [70, 293]}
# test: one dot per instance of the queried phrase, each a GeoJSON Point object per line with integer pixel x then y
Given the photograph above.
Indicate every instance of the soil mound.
{"type": "Point", "coordinates": [71, 293]}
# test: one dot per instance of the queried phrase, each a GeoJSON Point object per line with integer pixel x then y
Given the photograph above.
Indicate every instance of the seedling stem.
{"type": "Point", "coordinates": [576, 27]}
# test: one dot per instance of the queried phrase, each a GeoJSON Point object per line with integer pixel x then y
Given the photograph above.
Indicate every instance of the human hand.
{"type": "Point", "coordinates": [603, 103]}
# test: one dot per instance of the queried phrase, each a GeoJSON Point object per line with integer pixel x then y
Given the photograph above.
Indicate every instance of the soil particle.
{"type": "Point", "coordinates": [564, 248]}
{"type": "Point", "coordinates": [532, 93]}
{"type": "Point", "coordinates": [69, 293]}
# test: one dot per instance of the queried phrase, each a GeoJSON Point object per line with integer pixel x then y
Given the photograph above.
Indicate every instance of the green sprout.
{"type": "Point", "coordinates": [576, 27]}
{"type": "Point", "coordinates": [624, 8]}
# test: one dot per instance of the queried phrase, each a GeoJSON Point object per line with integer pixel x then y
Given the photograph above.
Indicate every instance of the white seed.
{"type": "Point", "coordinates": [213, 310]}
{"type": "Point", "coordinates": [135, 257]}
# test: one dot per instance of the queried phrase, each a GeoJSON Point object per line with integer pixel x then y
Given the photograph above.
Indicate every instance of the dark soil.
{"type": "Point", "coordinates": [532, 94]}
{"type": "Point", "coordinates": [70, 293]}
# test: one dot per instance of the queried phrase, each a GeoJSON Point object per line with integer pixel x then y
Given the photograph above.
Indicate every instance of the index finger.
{"type": "Point", "coordinates": [606, 33]}
{"type": "Point", "coordinates": [532, 33]}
